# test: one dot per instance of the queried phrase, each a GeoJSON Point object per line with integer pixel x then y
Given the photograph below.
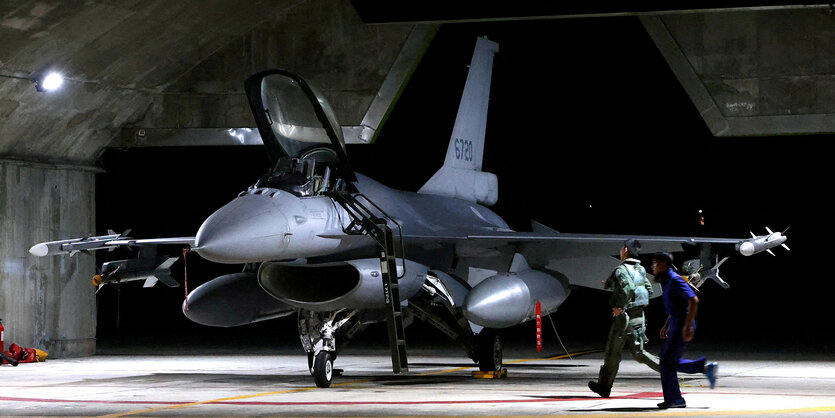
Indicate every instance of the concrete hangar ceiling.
{"type": "Point", "coordinates": [751, 68]}
{"type": "Point", "coordinates": [167, 66]}
{"type": "Point", "coordinates": [170, 73]}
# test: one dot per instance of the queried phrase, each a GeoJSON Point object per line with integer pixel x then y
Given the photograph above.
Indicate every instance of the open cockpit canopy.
{"type": "Point", "coordinates": [302, 136]}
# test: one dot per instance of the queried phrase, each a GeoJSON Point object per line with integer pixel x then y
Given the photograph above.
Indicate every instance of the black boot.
{"type": "Point", "coordinates": [600, 387]}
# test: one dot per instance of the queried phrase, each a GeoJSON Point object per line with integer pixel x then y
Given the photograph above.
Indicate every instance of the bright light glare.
{"type": "Point", "coordinates": [52, 81]}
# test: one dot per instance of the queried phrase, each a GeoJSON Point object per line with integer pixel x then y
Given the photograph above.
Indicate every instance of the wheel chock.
{"type": "Point", "coordinates": [490, 375]}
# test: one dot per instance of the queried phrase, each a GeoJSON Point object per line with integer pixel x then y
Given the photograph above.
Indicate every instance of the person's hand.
{"type": "Point", "coordinates": [616, 311]}
{"type": "Point", "coordinates": [663, 332]}
{"type": "Point", "coordinates": [687, 333]}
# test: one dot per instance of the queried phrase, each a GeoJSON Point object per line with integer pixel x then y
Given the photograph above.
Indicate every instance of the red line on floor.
{"type": "Point", "coordinates": [642, 395]}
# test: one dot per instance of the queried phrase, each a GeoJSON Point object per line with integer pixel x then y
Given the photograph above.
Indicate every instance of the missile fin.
{"type": "Point", "coordinates": [165, 277]}
{"type": "Point", "coordinates": [786, 247]}
{"type": "Point", "coordinates": [772, 253]}
{"type": "Point", "coordinates": [721, 282]}
{"type": "Point", "coordinates": [167, 263]}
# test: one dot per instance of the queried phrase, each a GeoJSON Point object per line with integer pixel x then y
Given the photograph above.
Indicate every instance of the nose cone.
{"type": "Point", "coordinates": [248, 229]}
{"type": "Point", "coordinates": [498, 302]}
{"type": "Point", "coordinates": [747, 248]}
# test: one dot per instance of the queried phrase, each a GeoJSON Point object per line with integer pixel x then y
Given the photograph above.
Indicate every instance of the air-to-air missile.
{"type": "Point", "coordinates": [74, 245]}
{"type": "Point", "coordinates": [758, 244]}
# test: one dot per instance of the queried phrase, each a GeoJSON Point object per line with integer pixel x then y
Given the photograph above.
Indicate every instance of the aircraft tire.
{"type": "Point", "coordinates": [489, 351]}
{"type": "Point", "coordinates": [323, 369]}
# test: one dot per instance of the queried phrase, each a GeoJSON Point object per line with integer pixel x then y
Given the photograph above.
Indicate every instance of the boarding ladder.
{"type": "Point", "coordinates": [364, 222]}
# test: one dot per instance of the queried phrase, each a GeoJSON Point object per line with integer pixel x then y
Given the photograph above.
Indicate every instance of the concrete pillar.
{"type": "Point", "coordinates": [46, 302]}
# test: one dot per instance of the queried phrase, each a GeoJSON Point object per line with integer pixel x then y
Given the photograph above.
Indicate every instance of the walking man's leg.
{"type": "Point", "coordinates": [611, 357]}
{"type": "Point", "coordinates": [638, 337]}
{"type": "Point", "coordinates": [669, 362]}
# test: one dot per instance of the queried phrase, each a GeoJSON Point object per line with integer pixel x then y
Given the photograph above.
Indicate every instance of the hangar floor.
{"type": "Point", "coordinates": [438, 383]}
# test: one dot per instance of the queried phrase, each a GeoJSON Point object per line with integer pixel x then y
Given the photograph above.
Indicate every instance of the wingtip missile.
{"type": "Point", "coordinates": [75, 245]}
{"type": "Point", "coordinates": [758, 244]}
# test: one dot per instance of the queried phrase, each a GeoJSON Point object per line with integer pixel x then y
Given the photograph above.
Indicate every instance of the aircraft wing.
{"type": "Point", "coordinates": [585, 259]}
{"type": "Point", "coordinates": [533, 237]}
{"type": "Point", "coordinates": [511, 237]}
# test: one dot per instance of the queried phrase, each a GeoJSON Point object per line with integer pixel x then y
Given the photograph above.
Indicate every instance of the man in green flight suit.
{"type": "Point", "coordinates": [631, 291]}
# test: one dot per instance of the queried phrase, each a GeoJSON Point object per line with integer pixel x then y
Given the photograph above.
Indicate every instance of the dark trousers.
{"type": "Point", "coordinates": [671, 363]}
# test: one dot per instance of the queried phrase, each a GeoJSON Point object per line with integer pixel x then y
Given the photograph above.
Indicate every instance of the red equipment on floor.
{"type": "Point", "coordinates": [18, 354]}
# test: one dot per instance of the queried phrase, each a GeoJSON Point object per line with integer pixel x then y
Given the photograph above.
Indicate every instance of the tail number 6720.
{"type": "Point", "coordinates": [463, 149]}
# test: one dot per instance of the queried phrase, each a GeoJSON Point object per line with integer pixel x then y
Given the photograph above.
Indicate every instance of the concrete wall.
{"type": "Point", "coordinates": [46, 302]}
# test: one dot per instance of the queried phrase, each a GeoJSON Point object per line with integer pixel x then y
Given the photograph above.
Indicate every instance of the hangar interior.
{"type": "Point", "coordinates": [159, 74]}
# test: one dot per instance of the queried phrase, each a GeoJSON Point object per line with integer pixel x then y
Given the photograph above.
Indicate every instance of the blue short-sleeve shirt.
{"type": "Point", "coordinates": [676, 294]}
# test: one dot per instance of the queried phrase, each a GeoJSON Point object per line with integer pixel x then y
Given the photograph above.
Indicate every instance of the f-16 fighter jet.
{"type": "Point", "coordinates": [342, 250]}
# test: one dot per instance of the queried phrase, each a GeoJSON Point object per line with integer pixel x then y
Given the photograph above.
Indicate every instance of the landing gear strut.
{"type": "Point", "coordinates": [317, 331]}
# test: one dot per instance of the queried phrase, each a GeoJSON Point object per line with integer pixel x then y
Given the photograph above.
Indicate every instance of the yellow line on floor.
{"type": "Point", "coordinates": [457, 369]}
{"type": "Point", "coordinates": [353, 382]}
{"type": "Point", "coordinates": [233, 398]}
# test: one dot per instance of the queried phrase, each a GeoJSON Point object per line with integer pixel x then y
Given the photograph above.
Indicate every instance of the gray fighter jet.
{"type": "Point", "coordinates": [342, 250]}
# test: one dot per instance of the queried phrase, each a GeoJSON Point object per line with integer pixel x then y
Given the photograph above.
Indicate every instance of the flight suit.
{"type": "Point", "coordinates": [631, 291]}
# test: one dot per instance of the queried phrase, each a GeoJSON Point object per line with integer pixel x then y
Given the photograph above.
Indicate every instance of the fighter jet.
{"type": "Point", "coordinates": [342, 250]}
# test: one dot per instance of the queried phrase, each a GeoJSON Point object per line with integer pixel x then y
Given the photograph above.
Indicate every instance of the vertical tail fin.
{"type": "Point", "coordinates": [461, 174]}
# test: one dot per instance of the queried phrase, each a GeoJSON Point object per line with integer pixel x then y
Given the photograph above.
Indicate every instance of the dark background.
{"type": "Point", "coordinates": [588, 131]}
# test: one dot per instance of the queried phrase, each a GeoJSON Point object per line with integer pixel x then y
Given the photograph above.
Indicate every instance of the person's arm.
{"type": "Point", "coordinates": [692, 306]}
{"type": "Point", "coordinates": [664, 329]}
{"type": "Point", "coordinates": [618, 298]}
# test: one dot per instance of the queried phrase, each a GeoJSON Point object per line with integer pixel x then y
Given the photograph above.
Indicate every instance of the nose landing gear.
{"type": "Point", "coordinates": [317, 331]}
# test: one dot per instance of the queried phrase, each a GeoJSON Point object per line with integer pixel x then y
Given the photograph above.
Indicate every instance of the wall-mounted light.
{"type": "Point", "coordinates": [48, 81]}
{"type": "Point", "coordinates": [43, 81]}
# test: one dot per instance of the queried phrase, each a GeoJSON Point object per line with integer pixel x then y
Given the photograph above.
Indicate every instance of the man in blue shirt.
{"type": "Point", "coordinates": [681, 305]}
